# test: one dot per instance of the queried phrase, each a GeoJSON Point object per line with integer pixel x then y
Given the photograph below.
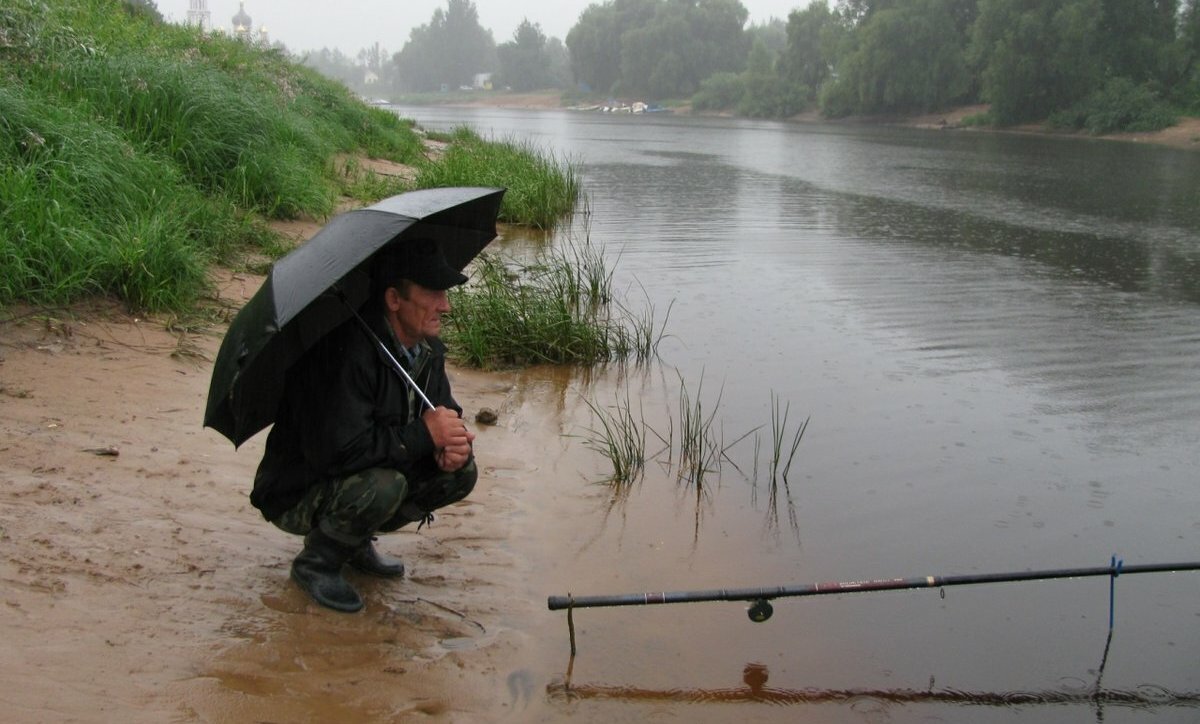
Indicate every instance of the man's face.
{"type": "Point", "coordinates": [418, 314]}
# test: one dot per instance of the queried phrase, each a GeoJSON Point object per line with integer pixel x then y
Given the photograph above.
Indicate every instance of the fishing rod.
{"type": "Point", "coordinates": [761, 609]}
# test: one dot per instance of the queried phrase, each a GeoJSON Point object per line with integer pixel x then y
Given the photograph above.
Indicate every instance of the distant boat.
{"type": "Point", "coordinates": [635, 107]}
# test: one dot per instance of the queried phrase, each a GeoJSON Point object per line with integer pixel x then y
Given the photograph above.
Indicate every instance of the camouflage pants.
{"type": "Point", "coordinates": [353, 508]}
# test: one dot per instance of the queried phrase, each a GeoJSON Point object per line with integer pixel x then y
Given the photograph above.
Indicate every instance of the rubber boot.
{"type": "Point", "coordinates": [368, 560]}
{"type": "Point", "coordinates": [318, 570]}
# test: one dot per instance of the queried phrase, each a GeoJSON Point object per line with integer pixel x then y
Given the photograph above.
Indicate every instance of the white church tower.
{"type": "Point", "coordinates": [198, 15]}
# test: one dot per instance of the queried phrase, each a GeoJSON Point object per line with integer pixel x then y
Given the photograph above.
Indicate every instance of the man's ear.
{"type": "Point", "coordinates": [391, 299]}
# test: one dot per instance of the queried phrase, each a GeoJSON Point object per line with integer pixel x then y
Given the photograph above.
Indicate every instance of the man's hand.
{"type": "Point", "coordinates": [449, 460]}
{"type": "Point", "coordinates": [450, 436]}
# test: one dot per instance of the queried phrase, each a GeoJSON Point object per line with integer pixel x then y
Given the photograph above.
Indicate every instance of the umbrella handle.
{"type": "Point", "coordinates": [366, 328]}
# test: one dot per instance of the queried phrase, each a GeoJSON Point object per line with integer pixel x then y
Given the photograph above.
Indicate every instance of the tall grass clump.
{"type": "Point", "coordinates": [82, 213]}
{"type": "Point", "coordinates": [542, 188]}
{"type": "Point", "coordinates": [505, 319]}
{"type": "Point", "coordinates": [227, 138]}
{"type": "Point", "coordinates": [556, 309]}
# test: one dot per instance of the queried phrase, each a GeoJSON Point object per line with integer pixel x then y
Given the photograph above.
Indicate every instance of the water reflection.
{"type": "Point", "coordinates": [1147, 697]}
{"type": "Point", "coordinates": [1163, 262]}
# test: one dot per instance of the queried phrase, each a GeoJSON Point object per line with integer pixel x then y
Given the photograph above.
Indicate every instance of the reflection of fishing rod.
{"type": "Point", "coordinates": [761, 610]}
{"type": "Point", "coordinates": [1142, 698]}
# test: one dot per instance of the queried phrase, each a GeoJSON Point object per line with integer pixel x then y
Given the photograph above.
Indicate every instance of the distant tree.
{"type": "Point", "coordinates": [1187, 93]}
{"type": "Point", "coordinates": [652, 57]}
{"type": "Point", "coordinates": [857, 12]}
{"type": "Point", "coordinates": [772, 33]}
{"type": "Point", "coordinates": [907, 58]}
{"type": "Point", "coordinates": [447, 51]}
{"type": "Point", "coordinates": [1137, 40]}
{"type": "Point", "coordinates": [524, 64]}
{"type": "Point", "coordinates": [595, 40]}
{"type": "Point", "coordinates": [718, 92]}
{"type": "Point", "coordinates": [809, 57]}
{"type": "Point", "coordinates": [767, 94]}
{"type": "Point", "coordinates": [684, 43]}
{"type": "Point", "coordinates": [1036, 56]}
{"type": "Point", "coordinates": [373, 58]}
{"type": "Point", "coordinates": [374, 70]}
{"type": "Point", "coordinates": [333, 63]}
{"type": "Point", "coordinates": [558, 62]}
{"type": "Point", "coordinates": [144, 7]}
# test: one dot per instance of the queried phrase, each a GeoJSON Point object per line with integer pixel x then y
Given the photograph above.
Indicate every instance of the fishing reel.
{"type": "Point", "coordinates": [760, 610]}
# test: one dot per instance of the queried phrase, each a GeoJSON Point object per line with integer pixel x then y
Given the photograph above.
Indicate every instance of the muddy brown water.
{"type": "Point", "coordinates": [997, 342]}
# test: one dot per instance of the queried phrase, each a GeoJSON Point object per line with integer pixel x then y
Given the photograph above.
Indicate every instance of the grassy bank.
{"type": "Point", "coordinates": [134, 154]}
{"type": "Point", "coordinates": [541, 187]}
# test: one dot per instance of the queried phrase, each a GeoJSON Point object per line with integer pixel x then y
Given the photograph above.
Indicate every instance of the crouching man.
{"type": "Point", "coordinates": [354, 451]}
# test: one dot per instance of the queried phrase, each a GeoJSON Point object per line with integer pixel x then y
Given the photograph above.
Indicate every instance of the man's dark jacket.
{"type": "Point", "coordinates": [345, 410]}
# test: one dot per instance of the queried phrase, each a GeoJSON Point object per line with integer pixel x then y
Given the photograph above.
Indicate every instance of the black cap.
{"type": "Point", "coordinates": [420, 261]}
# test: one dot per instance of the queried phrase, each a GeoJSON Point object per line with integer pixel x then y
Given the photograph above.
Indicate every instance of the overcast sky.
{"type": "Point", "coordinates": [351, 25]}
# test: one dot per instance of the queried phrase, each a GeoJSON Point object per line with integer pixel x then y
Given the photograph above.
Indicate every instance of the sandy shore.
{"type": "Point", "coordinates": [139, 585]}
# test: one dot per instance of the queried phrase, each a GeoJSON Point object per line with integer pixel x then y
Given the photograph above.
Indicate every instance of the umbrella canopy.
{"type": "Point", "coordinates": [314, 289]}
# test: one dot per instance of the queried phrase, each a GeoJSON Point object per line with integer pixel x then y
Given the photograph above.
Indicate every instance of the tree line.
{"type": "Point", "coordinates": [1098, 64]}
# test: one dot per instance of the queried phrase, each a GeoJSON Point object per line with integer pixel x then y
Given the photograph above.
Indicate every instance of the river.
{"type": "Point", "coordinates": [995, 339]}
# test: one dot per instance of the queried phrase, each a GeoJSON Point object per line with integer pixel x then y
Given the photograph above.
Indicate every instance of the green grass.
{"type": "Point", "coordinates": [133, 154]}
{"type": "Point", "coordinates": [81, 212]}
{"type": "Point", "coordinates": [363, 185]}
{"type": "Point", "coordinates": [779, 433]}
{"type": "Point", "coordinates": [621, 439]}
{"type": "Point", "coordinates": [542, 188]}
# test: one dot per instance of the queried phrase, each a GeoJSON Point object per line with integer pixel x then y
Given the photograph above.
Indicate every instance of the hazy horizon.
{"type": "Point", "coordinates": [304, 25]}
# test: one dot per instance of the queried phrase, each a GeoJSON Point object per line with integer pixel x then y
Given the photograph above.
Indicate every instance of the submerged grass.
{"type": "Point", "coordinates": [700, 447]}
{"type": "Point", "coordinates": [779, 421]}
{"type": "Point", "coordinates": [698, 451]}
{"type": "Point", "coordinates": [621, 439]}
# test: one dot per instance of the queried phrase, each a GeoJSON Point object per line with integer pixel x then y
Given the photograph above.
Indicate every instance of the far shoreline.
{"type": "Point", "coordinates": [1183, 135]}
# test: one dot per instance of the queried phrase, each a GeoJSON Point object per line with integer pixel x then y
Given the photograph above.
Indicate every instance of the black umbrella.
{"type": "Point", "coordinates": [319, 285]}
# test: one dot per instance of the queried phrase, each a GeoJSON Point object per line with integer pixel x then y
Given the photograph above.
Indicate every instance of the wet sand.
{"type": "Point", "coordinates": [139, 585]}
